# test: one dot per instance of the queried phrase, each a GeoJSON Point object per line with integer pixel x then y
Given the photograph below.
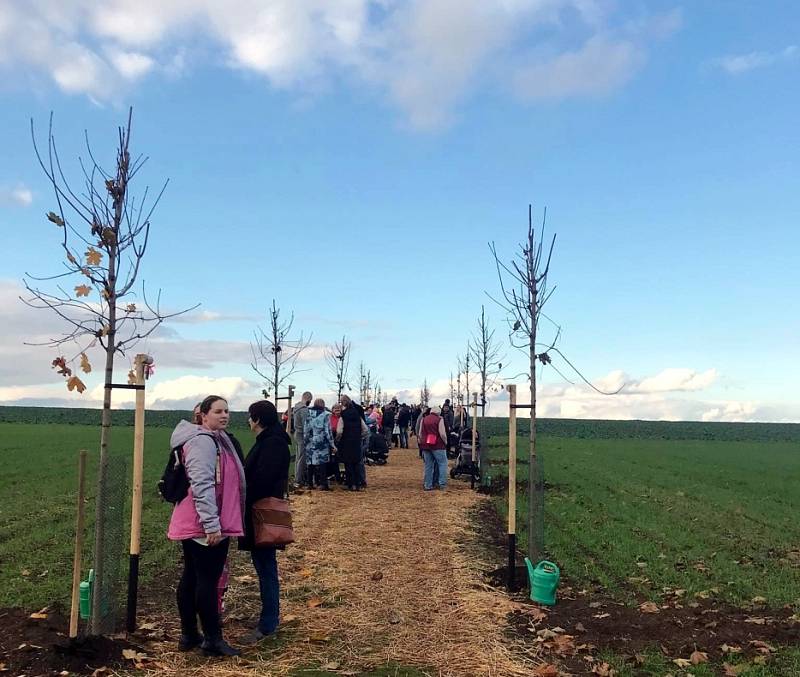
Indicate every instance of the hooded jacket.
{"type": "Point", "coordinates": [205, 509]}
{"type": "Point", "coordinates": [318, 435]}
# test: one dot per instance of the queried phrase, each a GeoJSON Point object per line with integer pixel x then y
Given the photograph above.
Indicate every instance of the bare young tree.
{"type": "Point", "coordinates": [275, 354]}
{"type": "Point", "coordinates": [452, 389]}
{"type": "Point", "coordinates": [487, 356]}
{"type": "Point", "coordinates": [523, 284]}
{"type": "Point", "coordinates": [104, 232]}
{"type": "Point", "coordinates": [459, 390]}
{"type": "Point", "coordinates": [467, 367]}
{"type": "Point", "coordinates": [337, 357]}
{"type": "Point", "coordinates": [364, 383]}
{"type": "Point", "coordinates": [424, 394]}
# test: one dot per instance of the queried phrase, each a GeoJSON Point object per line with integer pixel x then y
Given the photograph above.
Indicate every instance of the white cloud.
{"type": "Point", "coordinates": [737, 64]}
{"type": "Point", "coordinates": [673, 380]}
{"type": "Point", "coordinates": [131, 65]}
{"type": "Point", "coordinates": [18, 195]}
{"type": "Point", "coordinates": [598, 67]}
{"type": "Point", "coordinates": [427, 56]}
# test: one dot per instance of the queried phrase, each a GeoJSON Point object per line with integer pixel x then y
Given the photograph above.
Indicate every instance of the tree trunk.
{"type": "Point", "coordinates": [105, 437]}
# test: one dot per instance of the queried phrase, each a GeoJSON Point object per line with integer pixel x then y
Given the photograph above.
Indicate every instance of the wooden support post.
{"type": "Point", "coordinates": [474, 439]}
{"type": "Point", "coordinates": [289, 416]}
{"type": "Point", "coordinates": [77, 557]}
{"type": "Point", "coordinates": [512, 486]}
{"type": "Point", "coordinates": [140, 363]}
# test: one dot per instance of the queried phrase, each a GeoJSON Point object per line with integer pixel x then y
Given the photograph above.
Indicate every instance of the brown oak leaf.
{"type": "Point", "coordinates": [82, 290]}
{"type": "Point", "coordinates": [75, 383]}
{"type": "Point", "coordinates": [85, 366]}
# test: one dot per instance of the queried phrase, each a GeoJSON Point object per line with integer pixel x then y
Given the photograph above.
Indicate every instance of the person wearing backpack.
{"type": "Point", "coordinates": [204, 520]}
{"type": "Point", "coordinates": [433, 442]}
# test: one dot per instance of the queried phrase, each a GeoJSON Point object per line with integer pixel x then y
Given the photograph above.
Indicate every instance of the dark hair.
{"type": "Point", "coordinates": [263, 413]}
{"type": "Point", "coordinates": [205, 405]}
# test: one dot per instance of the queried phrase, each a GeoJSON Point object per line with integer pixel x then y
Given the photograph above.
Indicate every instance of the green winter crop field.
{"type": "Point", "coordinates": [639, 515]}
{"type": "Point", "coordinates": [37, 514]}
{"type": "Point", "coordinates": [657, 517]}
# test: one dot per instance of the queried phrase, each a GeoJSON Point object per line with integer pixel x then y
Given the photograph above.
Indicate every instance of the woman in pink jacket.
{"type": "Point", "coordinates": [204, 521]}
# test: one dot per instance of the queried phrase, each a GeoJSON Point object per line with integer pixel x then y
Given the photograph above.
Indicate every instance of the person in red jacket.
{"type": "Point", "coordinates": [433, 443]}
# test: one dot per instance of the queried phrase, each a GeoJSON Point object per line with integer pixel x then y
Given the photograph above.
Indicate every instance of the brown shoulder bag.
{"type": "Point", "coordinates": [272, 522]}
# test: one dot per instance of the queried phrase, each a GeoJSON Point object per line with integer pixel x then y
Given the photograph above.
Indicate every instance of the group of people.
{"type": "Point", "coordinates": [224, 484]}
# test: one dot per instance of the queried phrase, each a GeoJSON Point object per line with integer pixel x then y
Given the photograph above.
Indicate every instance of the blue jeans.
{"type": "Point", "coordinates": [266, 566]}
{"type": "Point", "coordinates": [437, 458]}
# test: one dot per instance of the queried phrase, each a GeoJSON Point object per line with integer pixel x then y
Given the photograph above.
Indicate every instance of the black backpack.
{"type": "Point", "coordinates": [174, 483]}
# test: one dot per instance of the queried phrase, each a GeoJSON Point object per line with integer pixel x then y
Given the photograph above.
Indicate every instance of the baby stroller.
{"type": "Point", "coordinates": [453, 440]}
{"type": "Point", "coordinates": [465, 464]}
{"type": "Point", "coordinates": [377, 450]}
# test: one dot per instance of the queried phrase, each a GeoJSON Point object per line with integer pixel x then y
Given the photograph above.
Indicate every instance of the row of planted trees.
{"type": "Point", "coordinates": [104, 232]}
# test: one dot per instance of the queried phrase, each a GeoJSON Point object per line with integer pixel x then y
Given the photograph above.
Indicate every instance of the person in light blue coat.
{"type": "Point", "coordinates": [318, 441]}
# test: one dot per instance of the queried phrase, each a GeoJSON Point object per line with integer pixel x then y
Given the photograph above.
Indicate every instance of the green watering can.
{"type": "Point", "coordinates": [544, 579]}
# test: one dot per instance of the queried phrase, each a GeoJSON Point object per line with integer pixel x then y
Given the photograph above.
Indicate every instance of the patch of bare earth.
{"type": "Point", "coordinates": [381, 577]}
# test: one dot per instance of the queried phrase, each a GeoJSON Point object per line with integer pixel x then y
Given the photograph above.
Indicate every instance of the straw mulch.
{"type": "Point", "coordinates": [377, 577]}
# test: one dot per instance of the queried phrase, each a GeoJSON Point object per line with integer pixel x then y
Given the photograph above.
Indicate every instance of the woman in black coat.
{"type": "Point", "coordinates": [266, 470]}
{"type": "Point", "coordinates": [350, 430]}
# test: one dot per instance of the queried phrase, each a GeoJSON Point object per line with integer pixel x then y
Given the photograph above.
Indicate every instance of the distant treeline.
{"type": "Point", "coordinates": [553, 427]}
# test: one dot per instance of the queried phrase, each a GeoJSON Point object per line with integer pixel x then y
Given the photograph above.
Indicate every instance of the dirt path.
{"type": "Point", "coordinates": [377, 578]}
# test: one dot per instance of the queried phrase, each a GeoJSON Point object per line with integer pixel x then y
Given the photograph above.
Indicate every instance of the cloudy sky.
{"type": "Point", "coordinates": [352, 159]}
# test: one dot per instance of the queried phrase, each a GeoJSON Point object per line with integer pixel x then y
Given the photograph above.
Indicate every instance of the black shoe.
{"type": "Point", "coordinates": [187, 642]}
{"type": "Point", "coordinates": [218, 647]}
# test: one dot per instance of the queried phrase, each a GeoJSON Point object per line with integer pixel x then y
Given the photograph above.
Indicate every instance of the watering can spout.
{"type": "Point", "coordinates": [531, 569]}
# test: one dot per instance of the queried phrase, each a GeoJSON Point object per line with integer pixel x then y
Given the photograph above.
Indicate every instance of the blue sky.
{"type": "Point", "coordinates": [352, 159]}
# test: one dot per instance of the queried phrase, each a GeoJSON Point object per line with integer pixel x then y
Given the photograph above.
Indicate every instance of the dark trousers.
{"type": "Point", "coordinates": [352, 474]}
{"type": "Point", "coordinates": [197, 589]}
{"type": "Point", "coordinates": [267, 569]}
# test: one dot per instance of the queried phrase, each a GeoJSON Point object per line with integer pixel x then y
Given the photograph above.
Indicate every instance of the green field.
{"type": "Point", "coordinates": [37, 515]}
{"type": "Point", "coordinates": [636, 518]}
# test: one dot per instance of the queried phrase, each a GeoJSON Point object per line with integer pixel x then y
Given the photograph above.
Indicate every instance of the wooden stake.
{"type": "Point", "coordinates": [77, 557]}
{"type": "Point", "coordinates": [140, 361]}
{"type": "Point", "coordinates": [512, 486]}
{"type": "Point", "coordinates": [474, 439]}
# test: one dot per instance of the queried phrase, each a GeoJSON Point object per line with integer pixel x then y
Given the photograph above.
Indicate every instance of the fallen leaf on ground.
{"type": "Point", "coordinates": [727, 648]}
{"type": "Point", "coordinates": [101, 671]}
{"type": "Point", "coordinates": [305, 573]}
{"type": "Point", "coordinates": [601, 615]}
{"type": "Point", "coordinates": [378, 575]}
{"type": "Point", "coordinates": [756, 620]}
{"type": "Point", "coordinates": [314, 602]}
{"type": "Point", "coordinates": [759, 600]}
{"type": "Point", "coordinates": [546, 670]}
{"type": "Point", "coordinates": [698, 657]}
{"type": "Point", "coordinates": [762, 647]}
{"type": "Point", "coordinates": [734, 670]}
{"type": "Point", "coordinates": [319, 636]}
{"type": "Point", "coordinates": [595, 605]}
{"type": "Point", "coordinates": [604, 670]}
{"type": "Point", "coordinates": [289, 618]}
{"type": "Point", "coordinates": [760, 660]}
{"type": "Point", "coordinates": [395, 618]}
{"type": "Point", "coordinates": [133, 655]}
{"type": "Point", "coordinates": [649, 608]}
{"type": "Point", "coordinates": [546, 633]}
{"type": "Point", "coordinates": [147, 626]}
{"type": "Point", "coordinates": [333, 665]}
{"type": "Point", "coordinates": [580, 627]}
{"type": "Point", "coordinates": [38, 616]}
{"type": "Point", "coordinates": [682, 662]}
